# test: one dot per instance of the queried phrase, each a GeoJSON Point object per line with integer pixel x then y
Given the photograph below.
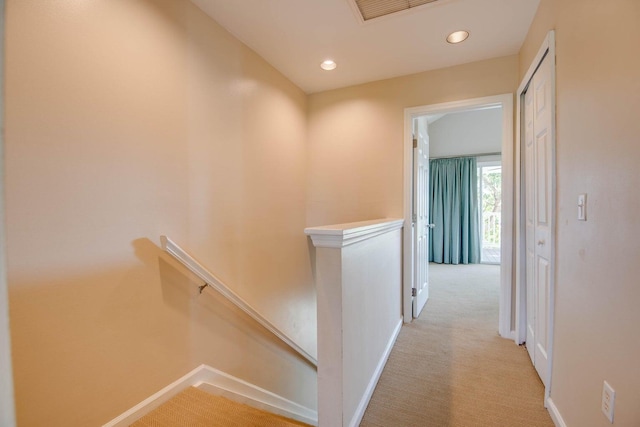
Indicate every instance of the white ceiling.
{"type": "Point", "coordinates": [295, 36]}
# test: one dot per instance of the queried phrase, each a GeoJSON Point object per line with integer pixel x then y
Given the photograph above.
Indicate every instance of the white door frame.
{"type": "Point", "coordinates": [506, 268]}
{"type": "Point", "coordinates": [548, 49]}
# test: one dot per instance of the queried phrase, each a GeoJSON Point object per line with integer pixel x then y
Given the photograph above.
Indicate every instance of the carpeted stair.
{"type": "Point", "coordinates": [196, 408]}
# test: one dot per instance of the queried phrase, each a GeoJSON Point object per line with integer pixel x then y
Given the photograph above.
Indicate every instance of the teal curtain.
{"type": "Point", "coordinates": [454, 210]}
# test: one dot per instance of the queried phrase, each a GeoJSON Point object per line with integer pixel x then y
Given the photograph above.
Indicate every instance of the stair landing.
{"type": "Point", "coordinates": [195, 408]}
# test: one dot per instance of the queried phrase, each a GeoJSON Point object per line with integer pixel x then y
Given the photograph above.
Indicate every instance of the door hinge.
{"type": "Point", "coordinates": [414, 218]}
{"type": "Point", "coordinates": [414, 292]}
{"type": "Point", "coordinates": [415, 142]}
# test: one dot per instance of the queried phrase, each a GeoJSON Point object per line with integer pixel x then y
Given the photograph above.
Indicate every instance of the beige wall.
{"type": "Point", "coordinates": [127, 120]}
{"type": "Point", "coordinates": [597, 292]}
{"type": "Point", "coordinates": [356, 136]}
{"type": "Point", "coordinates": [124, 121]}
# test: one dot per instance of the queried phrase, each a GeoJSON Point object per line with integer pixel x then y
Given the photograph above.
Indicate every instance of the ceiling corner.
{"type": "Point", "coordinates": [356, 11]}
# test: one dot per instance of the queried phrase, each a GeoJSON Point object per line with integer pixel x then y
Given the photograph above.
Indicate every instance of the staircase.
{"type": "Point", "coordinates": [195, 408]}
{"type": "Point", "coordinates": [356, 339]}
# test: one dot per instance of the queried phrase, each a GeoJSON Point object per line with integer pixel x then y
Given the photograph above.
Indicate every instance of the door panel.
{"type": "Point", "coordinates": [542, 186]}
{"type": "Point", "coordinates": [541, 341]}
{"type": "Point", "coordinates": [538, 214]}
{"type": "Point", "coordinates": [529, 222]}
{"type": "Point", "coordinates": [421, 214]}
{"type": "Point", "coordinates": [531, 306]}
{"type": "Point", "coordinates": [544, 202]}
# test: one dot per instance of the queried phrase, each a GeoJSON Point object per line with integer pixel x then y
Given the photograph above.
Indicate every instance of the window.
{"type": "Point", "coordinates": [490, 195]}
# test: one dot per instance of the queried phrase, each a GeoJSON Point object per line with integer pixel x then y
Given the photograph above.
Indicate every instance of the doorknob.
{"type": "Point", "coordinates": [540, 242]}
{"type": "Point", "coordinates": [431, 225]}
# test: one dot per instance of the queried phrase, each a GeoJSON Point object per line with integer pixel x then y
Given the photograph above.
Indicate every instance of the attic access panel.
{"type": "Point", "coordinates": [371, 9]}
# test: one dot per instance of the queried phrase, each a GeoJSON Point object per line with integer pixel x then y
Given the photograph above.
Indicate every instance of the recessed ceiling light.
{"type": "Point", "coordinates": [328, 65]}
{"type": "Point", "coordinates": [457, 37]}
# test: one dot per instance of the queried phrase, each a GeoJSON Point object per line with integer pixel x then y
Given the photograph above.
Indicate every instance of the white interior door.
{"type": "Point", "coordinates": [420, 215]}
{"type": "Point", "coordinates": [538, 189]}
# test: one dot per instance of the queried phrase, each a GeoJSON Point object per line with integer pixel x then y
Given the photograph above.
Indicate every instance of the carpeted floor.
{"type": "Point", "coordinates": [450, 368]}
{"type": "Point", "coordinates": [196, 408]}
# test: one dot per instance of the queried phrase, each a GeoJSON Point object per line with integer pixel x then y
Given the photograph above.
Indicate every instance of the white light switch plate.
{"type": "Point", "coordinates": [582, 207]}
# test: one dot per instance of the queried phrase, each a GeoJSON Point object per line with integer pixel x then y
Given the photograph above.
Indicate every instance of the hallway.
{"type": "Point", "coordinates": [450, 368]}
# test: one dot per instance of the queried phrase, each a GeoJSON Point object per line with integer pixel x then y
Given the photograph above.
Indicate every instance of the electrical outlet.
{"type": "Point", "coordinates": [608, 401]}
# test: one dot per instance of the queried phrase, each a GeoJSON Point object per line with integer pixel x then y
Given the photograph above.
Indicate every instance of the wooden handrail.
{"type": "Point", "coordinates": [211, 280]}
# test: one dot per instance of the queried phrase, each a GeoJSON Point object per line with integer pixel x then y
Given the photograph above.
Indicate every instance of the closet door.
{"type": "Point", "coordinates": [538, 213]}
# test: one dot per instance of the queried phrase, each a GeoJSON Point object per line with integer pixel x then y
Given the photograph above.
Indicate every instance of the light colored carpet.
{"type": "Point", "coordinates": [196, 408]}
{"type": "Point", "coordinates": [450, 368]}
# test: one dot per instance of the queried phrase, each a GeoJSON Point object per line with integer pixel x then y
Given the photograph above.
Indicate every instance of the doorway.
{"type": "Point", "coordinates": [506, 165]}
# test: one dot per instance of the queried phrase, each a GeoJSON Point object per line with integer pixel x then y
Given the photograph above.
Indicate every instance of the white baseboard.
{"type": "Point", "coordinates": [152, 402]}
{"type": "Point", "coordinates": [364, 402]}
{"type": "Point", "coordinates": [555, 414]}
{"type": "Point", "coordinates": [509, 335]}
{"type": "Point", "coordinates": [216, 382]}
{"type": "Point", "coordinates": [221, 384]}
